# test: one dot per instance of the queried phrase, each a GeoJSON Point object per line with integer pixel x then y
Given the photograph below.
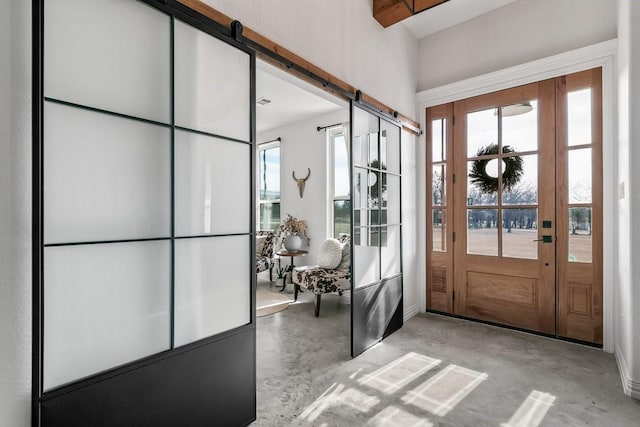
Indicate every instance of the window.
{"type": "Point", "coordinates": [340, 209]}
{"type": "Point", "coordinates": [269, 194]}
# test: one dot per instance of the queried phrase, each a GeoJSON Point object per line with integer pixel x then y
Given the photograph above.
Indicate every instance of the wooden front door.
{"type": "Point", "coordinates": [524, 250]}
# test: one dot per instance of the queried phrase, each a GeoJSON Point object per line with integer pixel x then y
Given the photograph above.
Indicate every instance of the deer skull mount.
{"type": "Point", "coordinates": [301, 181]}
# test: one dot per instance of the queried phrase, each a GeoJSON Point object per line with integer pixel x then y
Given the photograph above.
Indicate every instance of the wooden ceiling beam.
{"type": "Point", "coordinates": [389, 12]}
{"type": "Point", "coordinates": [422, 5]}
{"type": "Point", "coordinates": [299, 66]}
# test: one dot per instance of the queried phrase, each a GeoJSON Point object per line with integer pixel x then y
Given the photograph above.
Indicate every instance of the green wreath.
{"type": "Point", "coordinates": [510, 176]}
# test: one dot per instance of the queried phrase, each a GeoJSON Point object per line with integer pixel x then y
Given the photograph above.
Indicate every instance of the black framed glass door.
{"type": "Point", "coordinates": [376, 284]}
{"type": "Point", "coordinates": [144, 120]}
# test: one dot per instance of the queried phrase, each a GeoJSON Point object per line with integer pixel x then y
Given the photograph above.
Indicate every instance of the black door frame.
{"type": "Point", "coordinates": [365, 296]}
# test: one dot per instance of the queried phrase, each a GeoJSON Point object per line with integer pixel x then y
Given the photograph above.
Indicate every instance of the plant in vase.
{"type": "Point", "coordinates": [293, 232]}
{"type": "Point", "coordinates": [281, 273]}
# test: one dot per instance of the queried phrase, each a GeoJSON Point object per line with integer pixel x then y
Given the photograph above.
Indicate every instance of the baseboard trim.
{"type": "Point", "coordinates": [631, 387]}
{"type": "Point", "coordinates": [409, 312]}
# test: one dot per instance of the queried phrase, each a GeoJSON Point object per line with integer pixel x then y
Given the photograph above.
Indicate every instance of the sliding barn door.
{"type": "Point", "coordinates": [376, 288]}
{"type": "Point", "coordinates": [143, 274]}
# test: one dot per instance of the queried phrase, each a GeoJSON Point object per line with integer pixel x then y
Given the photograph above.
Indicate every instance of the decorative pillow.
{"type": "Point", "coordinates": [345, 262]}
{"type": "Point", "coordinates": [260, 240]}
{"type": "Point", "coordinates": [330, 254]}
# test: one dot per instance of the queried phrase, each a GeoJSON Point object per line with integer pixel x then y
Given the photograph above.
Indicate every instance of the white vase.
{"type": "Point", "coordinates": [292, 242]}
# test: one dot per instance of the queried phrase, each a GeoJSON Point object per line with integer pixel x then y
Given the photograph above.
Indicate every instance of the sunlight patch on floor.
{"type": "Point", "coordinates": [337, 395]}
{"type": "Point", "coordinates": [395, 375]}
{"type": "Point", "coordinates": [442, 392]}
{"type": "Point", "coordinates": [532, 410]}
{"type": "Point", "coordinates": [392, 416]}
{"type": "Point", "coordinates": [355, 374]}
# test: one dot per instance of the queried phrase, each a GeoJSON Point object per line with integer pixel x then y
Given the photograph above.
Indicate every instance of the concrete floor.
{"type": "Point", "coordinates": [435, 371]}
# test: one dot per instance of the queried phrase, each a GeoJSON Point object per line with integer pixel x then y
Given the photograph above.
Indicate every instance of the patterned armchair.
{"type": "Point", "coordinates": [265, 241]}
{"type": "Point", "coordinates": [321, 280]}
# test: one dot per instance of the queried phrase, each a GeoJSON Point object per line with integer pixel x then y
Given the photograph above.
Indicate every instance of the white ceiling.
{"type": "Point", "coordinates": [449, 14]}
{"type": "Point", "coordinates": [292, 100]}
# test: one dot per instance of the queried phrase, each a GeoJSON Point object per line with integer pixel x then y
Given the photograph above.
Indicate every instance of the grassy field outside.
{"type": "Point", "coordinates": [517, 244]}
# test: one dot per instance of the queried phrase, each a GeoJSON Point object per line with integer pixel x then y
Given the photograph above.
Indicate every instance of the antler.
{"type": "Point", "coordinates": [301, 181]}
{"type": "Point", "coordinates": [293, 173]}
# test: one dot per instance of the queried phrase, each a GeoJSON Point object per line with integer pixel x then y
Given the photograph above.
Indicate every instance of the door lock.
{"type": "Point", "coordinates": [545, 239]}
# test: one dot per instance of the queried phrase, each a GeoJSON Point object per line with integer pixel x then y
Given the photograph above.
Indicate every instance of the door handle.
{"type": "Point", "coordinates": [545, 239]}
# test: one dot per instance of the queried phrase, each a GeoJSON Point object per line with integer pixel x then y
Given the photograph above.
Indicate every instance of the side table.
{"type": "Point", "coordinates": [292, 254]}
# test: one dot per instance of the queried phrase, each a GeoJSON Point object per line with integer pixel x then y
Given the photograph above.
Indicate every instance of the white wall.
{"type": "Point", "coordinates": [15, 214]}
{"type": "Point", "coordinates": [520, 32]}
{"type": "Point", "coordinates": [342, 38]}
{"type": "Point", "coordinates": [303, 147]}
{"type": "Point", "coordinates": [412, 260]}
{"type": "Point", "coordinates": [628, 274]}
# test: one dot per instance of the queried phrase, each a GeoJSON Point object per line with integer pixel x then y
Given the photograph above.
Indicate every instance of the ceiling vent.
{"type": "Point", "coordinates": [263, 101]}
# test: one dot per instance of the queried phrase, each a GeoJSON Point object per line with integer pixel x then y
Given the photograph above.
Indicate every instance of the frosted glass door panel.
{"type": "Point", "coordinates": [212, 185]}
{"type": "Point", "coordinates": [113, 55]}
{"type": "Point", "coordinates": [105, 177]}
{"type": "Point", "coordinates": [390, 260]}
{"type": "Point", "coordinates": [212, 84]}
{"type": "Point", "coordinates": [213, 286]}
{"type": "Point", "coordinates": [104, 305]}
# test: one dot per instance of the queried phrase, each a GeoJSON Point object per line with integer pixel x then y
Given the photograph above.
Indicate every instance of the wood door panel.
{"type": "Point", "coordinates": [520, 291]}
{"type": "Point", "coordinates": [503, 314]}
{"type": "Point", "coordinates": [440, 299]}
{"type": "Point", "coordinates": [507, 267]}
{"type": "Point", "coordinates": [579, 299]}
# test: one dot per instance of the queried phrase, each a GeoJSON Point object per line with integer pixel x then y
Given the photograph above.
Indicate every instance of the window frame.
{"type": "Point", "coordinates": [259, 201]}
{"type": "Point", "coordinates": [332, 133]}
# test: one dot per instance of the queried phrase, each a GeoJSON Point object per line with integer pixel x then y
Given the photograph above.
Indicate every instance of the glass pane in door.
{"type": "Point", "coordinates": [212, 84]}
{"type": "Point", "coordinates": [438, 185]}
{"type": "Point", "coordinates": [520, 126]}
{"type": "Point", "coordinates": [580, 239]}
{"type": "Point", "coordinates": [519, 232]}
{"type": "Point", "coordinates": [212, 292]}
{"type": "Point", "coordinates": [439, 230]}
{"type": "Point", "coordinates": [390, 149]}
{"type": "Point", "coordinates": [365, 138]}
{"type": "Point", "coordinates": [99, 54]}
{"type": "Point", "coordinates": [212, 185]}
{"type": "Point", "coordinates": [579, 117]}
{"type": "Point", "coordinates": [366, 262]}
{"type": "Point", "coordinates": [520, 180]}
{"type": "Point", "coordinates": [438, 140]}
{"type": "Point", "coordinates": [106, 177]}
{"type": "Point", "coordinates": [104, 305]}
{"type": "Point", "coordinates": [482, 182]}
{"type": "Point", "coordinates": [482, 232]}
{"type": "Point", "coordinates": [482, 131]}
{"type": "Point", "coordinates": [580, 176]}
